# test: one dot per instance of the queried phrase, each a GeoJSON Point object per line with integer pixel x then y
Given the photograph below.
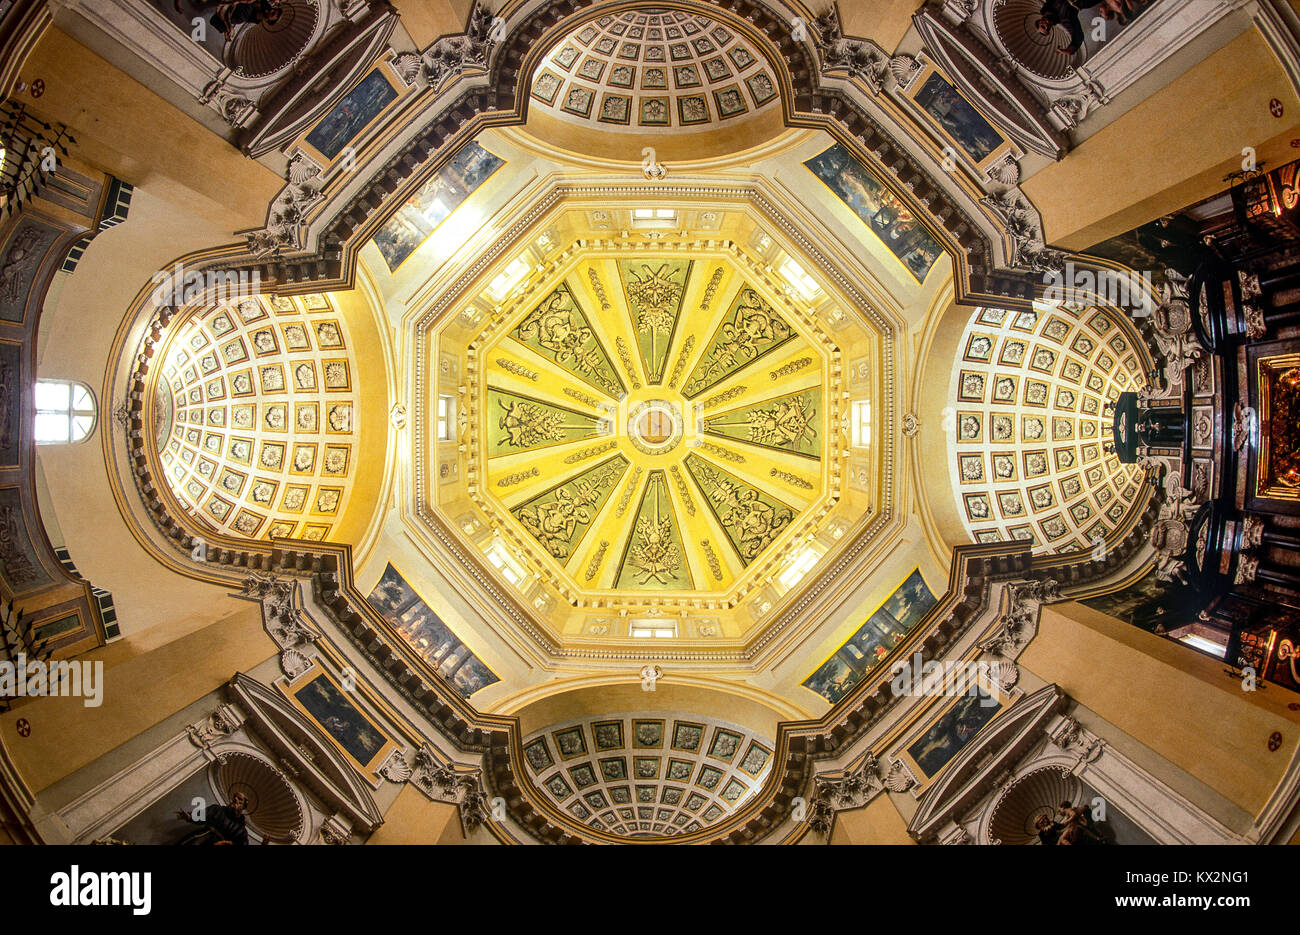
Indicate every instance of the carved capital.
{"type": "Point", "coordinates": [859, 57]}
{"type": "Point", "coordinates": [441, 781]}
{"type": "Point", "coordinates": [851, 789]}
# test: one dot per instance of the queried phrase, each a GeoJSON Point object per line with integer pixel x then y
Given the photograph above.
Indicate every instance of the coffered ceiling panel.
{"type": "Point", "coordinates": [255, 416]}
{"type": "Point", "coordinates": [648, 775]}
{"type": "Point", "coordinates": [654, 68]}
{"type": "Point", "coordinates": [1030, 428]}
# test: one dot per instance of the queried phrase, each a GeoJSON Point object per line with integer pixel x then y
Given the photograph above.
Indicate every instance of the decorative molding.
{"type": "Point", "coordinates": [441, 781]}
{"type": "Point", "coordinates": [1018, 624]}
{"type": "Point", "coordinates": [851, 789]}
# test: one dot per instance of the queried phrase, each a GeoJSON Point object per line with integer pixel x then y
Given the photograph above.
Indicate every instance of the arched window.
{"type": "Point", "coordinates": [65, 412]}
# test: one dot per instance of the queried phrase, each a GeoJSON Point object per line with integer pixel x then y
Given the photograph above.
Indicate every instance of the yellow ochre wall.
{"type": "Point", "coordinates": [877, 823]}
{"type": "Point", "coordinates": [124, 128]}
{"type": "Point", "coordinates": [426, 20]}
{"type": "Point", "coordinates": [1171, 150]}
{"type": "Point", "coordinates": [1177, 702]}
{"type": "Point", "coordinates": [413, 819]}
{"type": "Point", "coordinates": [139, 689]}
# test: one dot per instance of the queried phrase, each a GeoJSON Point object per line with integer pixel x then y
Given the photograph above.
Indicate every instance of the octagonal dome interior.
{"type": "Point", "coordinates": [654, 423]}
{"type": "Point", "coordinates": [652, 408]}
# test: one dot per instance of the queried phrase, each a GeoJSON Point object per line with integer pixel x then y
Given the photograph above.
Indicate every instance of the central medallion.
{"type": "Point", "coordinates": [655, 427]}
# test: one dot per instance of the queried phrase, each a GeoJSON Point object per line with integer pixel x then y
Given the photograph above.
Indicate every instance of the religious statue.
{"type": "Point", "coordinates": [221, 824]}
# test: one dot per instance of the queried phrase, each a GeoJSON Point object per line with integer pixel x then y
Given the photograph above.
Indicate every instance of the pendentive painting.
{"type": "Point", "coordinates": [434, 202]}
{"type": "Point", "coordinates": [416, 623]}
{"type": "Point", "coordinates": [889, 219]}
{"type": "Point", "coordinates": [874, 640]}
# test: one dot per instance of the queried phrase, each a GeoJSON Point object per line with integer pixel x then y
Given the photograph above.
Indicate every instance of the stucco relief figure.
{"type": "Point", "coordinates": [741, 339]}
{"type": "Point", "coordinates": [556, 327]}
{"type": "Point", "coordinates": [654, 554]}
{"type": "Point", "coordinates": [787, 423]}
{"type": "Point", "coordinates": [20, 256]}
{"type": "Point", "coordinates": [527, 425]}
{"type": "Point", "coordinates": [554, 524]}
{"type": "Point", "coordinates": [752, 521]}
{"type": "Point", "coordinates": [656, 294]}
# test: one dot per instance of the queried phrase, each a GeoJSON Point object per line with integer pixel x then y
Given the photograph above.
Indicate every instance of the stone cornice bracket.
{"type": "Point", "coordinates": [958, 11]}
{"type": "Point", "coordinates": [235, 109]}
{"type": "Point", "coordinates": [1019, 623]}
{"type": "Point", "coordinates": [441, 781]}
{"type": "Point", "coordinates": [1076, 741]}
{"type": "Point", "coordinates": [1023, 227]}
{"type": "Point", "coordinates": [335, 830]}
{"type": "Point", "coordinates": [1071, 109]}
{"type": "Point", "coordinates": [850, 789]}
{"type": "Point", "coordinates": [215, 728]}
{"type": "Point", "coordinates": [450, 56]}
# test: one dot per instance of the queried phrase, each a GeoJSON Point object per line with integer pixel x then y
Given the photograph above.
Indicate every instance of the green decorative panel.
{"type": "Point", "coordinates": [751, 330]}
{"type": "Point", "coordinates": [559, 518]}
{"type": "Point", "coordinates": [654, 299]}
{"type": "Point", "coordinates": [750, 518]}
{"type": "Point", "coordinates": [557, 329]}
{"type": "Point", "coordinates": [654, 559]}
{"type": "Point", "coordinates": [787, 423]}
{"type": "Point", "coordinates": [518, 423]}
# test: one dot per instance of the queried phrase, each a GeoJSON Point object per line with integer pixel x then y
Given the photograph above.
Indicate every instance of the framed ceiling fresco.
{"type": "Point", "coordinates": [424, 630]}
{"type": "Point", "coordinates": [887, 217]}
{"type": "Point", "coordinates": [957, 721]}
{"type": "Point", "coordinates": [956, 119]}
{"type": "Point", "coordinates": [874, 641]}
{"type": "Point", "coordinates": [336, 709]}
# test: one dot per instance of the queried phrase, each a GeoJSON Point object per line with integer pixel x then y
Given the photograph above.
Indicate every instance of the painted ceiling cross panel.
{"type": "Point", "coordinates": [519, 423]}
{"type": "Point", "coordinates": [787, 423]}
{"type": "Point", "coordinates": [559, 330]}
{"type": "Point", "coordinates": [750, 518]}
{"type": "Point", "coordinates": [654, 558]}
{"type": "Point", "coordinates": [654, 299]}
{"type": "Point", "coordinates": [560, 517]}
{"type": "Point", "coordinates": [750, 330]}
